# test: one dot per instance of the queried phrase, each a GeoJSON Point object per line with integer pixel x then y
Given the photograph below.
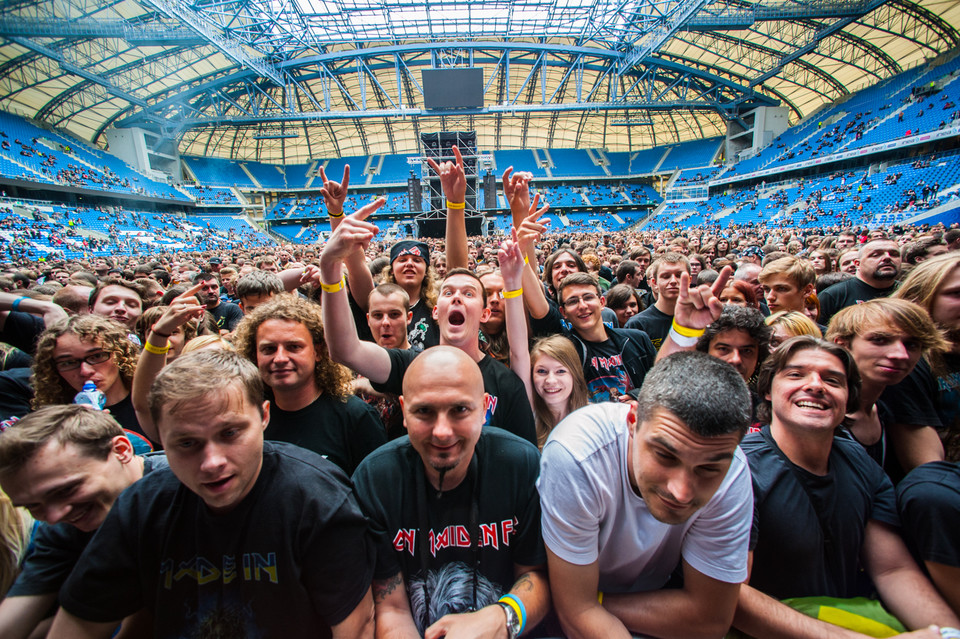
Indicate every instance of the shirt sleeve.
{"type": "Point", "coordinates": [56, 550]}
{"type": "Point", "coordinates": [400, 361]}
{"type": "Point", "coordinates": [570, 506]}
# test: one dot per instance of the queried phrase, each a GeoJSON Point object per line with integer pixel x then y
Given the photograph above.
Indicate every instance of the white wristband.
{"type": "Point", "coordinates": [682, 340]}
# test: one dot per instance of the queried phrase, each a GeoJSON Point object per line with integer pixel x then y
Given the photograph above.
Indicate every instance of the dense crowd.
{"type": "Point", "coordinates": [747, 431]}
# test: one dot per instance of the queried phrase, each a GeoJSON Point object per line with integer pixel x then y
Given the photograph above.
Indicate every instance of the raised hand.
{"type": "Point", "coordinates": [335, 193]}
{"type": "Point", "coordinates": [700, 306]}
{"type": "Point", "coordinates": [516, 188]}
{"type": "Point", "coordinates": [511, 262]}
{"type": "Point", "coordinates": [452, 177]}
{"type": "Point", "coordinates": [352, 232]}
{"type": "Point", "coordinates": [181, 310]}
{"type": "Point", "coordinates": [531, 229]}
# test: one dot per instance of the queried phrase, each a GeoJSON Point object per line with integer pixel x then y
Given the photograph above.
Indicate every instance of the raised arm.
{"type": "Point", "coordinates": [454, 183]}
{"type": "Point", "coordinates": [516, 188]}
{"type": "Point", "coordinates": [358, 275]}
{"type": "Point", "coordinates": [697, 308]}
{"type": "Point", "coordinates": [153, 357]}
{"type": "Point", "coordinates": [50, 312]}
{"type": "Point", "coordinates": [511, 268]}
{"type": "Point", "coordinates": [528, 234]}
{"type": "Point", "coordinates": [345, 347]}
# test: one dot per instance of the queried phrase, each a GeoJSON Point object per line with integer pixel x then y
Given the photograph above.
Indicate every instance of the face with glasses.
{"type": "Point", "coordinates": [581, 305]}
{"type": "Point", "coordinates": [79, 361]}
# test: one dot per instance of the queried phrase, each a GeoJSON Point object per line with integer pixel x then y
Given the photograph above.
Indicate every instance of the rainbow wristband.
{"type": "Point", "coordinates": [514, 602]}
{"type": "Point", "coordinates": [457, 206]}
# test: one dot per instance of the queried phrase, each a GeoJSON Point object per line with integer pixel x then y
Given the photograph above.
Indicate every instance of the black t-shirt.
{"type": "Point", "coordinates": [54, 550]}
{"type": "Point", "coordinates": [653, 322]}
{"type": "Point", "coordinates": [22, 330]}
{"type": "Point", "coordinates": [126, 416]}
{"type": "Point", "coordinates": [612, 367]}
{"type": "Point", "coordinates": [16, 392]}
{"type": "Point", "coordinates": [847, 293]}
{"type": "Point", "coordinates": [422, 330]}
{"type": "Point", "coordinates": [926, 399]}
{"type": "Point", "coordinates": [227, 315]}
{"type": "Point", "coordinates": [507, 405]}
{"type": "Point", "coordinates": [291, 560]}
{"type": "Point", "coordinates": [808, 530]}
{"type": "Point", "coordinates": [929, 499]}
{"type": "Point", "coordinates": [391, 488]}
{"type": "Point", "coordinates": [343, 432]}
{"type": "Point", "coordinates": [15, 358]}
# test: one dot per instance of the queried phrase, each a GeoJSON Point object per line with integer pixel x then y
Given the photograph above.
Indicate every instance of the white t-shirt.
{"type": "Point", "coordinates": [591, 512]}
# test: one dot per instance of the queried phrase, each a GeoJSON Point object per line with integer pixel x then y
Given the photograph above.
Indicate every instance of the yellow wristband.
{"type": "Point", "coordinates": [600, 597]}
{"type": "Point", "coordinates": [459, 206]}
{"type": "Point", "coordinates": [526, 260]}
{"type": "Point", "coordinates": [335, 216]}
{"type": "Point", "coordinates": [687, 332]}
{"type": "Point", "coordinates": [156, 350]}
{"type": "Point", "coordinates": [512, 294]}
{"type": "Point", "coordinates": [333, 288]}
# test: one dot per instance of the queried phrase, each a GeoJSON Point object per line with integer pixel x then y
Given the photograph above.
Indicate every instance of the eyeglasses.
{"type": "Point", "coordinates": [93, 359]}
{"type": "Point", "coordinates": [573, 302]}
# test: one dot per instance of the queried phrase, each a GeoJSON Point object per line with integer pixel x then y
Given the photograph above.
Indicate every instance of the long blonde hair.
{"type": "Point", "coordinates": [15, 527]}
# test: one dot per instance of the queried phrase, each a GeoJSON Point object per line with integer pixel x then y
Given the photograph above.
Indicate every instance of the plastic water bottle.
{"type": "Point", "coordinates": [91, 396]}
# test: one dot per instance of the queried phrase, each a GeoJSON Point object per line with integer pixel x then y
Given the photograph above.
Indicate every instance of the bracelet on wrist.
{"type": "Point", "coordinates": [459, 206]}
{"type": "Point", "coordinates": [517, 605]}
{"type": "Point", "coordinates": [156, 350]}
{"type": "Point", "coordinates": [329, 214]}
{"type": "Point", "coordinates": [16, 303]}
{"type": "Point", "coordinates": [512, 294]}
{"type": "Point", "coordinates": [686, 332]}
{"type": "Point", "coordinates": [526, 260]}
{"type": "Point", "coordinates": [684, 341]}
{"type": "Point", "coordinates": [333, 288]}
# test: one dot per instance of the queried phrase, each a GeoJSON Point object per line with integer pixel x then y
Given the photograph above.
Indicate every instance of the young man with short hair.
{"type": "Point", "coordinates": [67, 465]}
{"type": "Point", "coordinates": [665, 274]}
{"type": "Point", "coordinates": [251, 538]}
{"type": "Point", "coordinates": [787, 282]}
{"type": "Point", "coordinates": [227, 314]}
{"type": "Point", "coordinates": [630, 493]}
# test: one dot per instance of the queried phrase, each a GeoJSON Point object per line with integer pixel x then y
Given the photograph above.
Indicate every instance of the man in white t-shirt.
{"type": "Point", "coordinates": [637, 496]}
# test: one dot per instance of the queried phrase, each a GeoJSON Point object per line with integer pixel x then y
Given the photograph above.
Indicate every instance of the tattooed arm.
{"type": "Point", "coordinates": [392, 609]}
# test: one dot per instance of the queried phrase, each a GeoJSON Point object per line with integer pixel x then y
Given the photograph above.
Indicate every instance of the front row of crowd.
{"type": "Point", "coordinates": [702, 472]}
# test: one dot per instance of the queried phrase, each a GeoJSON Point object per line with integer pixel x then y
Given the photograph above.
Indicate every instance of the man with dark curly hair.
{"type": "Point", "coordinates": [313, 406]}
{"type": "Point", "coordinates": [89, 348]}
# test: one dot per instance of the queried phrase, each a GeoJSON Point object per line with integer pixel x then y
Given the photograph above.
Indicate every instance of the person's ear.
{"type": "Point", "coordinates": [122, 448]}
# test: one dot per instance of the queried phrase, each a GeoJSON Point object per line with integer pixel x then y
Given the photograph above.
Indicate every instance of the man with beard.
{"type": "Point", "coordinates": [455, 511]}
{"type": "Point", "coordinates": [877, 271]}
{"type": "Point", "coordinates": [227, 314]}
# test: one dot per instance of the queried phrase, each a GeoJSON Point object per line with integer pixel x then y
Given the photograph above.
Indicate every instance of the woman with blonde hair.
{"type": "Point", "coordinates": [786, 324]}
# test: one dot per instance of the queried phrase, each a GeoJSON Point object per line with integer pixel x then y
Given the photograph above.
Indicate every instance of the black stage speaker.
{"type": "Point", "coordinates": [438, 146]}
{"type": "Point", "coordinates": [414, 194]}
{"type": "Point", "coordinates": [489, 191]}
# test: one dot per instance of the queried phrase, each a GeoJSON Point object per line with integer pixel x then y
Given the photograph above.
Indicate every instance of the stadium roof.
{"type": "Point", "coordinates": [291, 80]}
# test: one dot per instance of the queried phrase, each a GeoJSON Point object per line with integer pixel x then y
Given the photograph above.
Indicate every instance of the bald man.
{"type": "Point", "coordinates": [427, 496]}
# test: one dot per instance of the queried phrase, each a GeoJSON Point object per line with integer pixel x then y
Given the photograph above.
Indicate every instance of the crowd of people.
{"type": "Point", "coordinates": [746, 432]}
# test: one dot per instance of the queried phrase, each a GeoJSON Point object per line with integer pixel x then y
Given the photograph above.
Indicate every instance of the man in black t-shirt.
{"type": "Point", "coordinates": [227, 314]}
{"type": "Point", "coordinates": [461, 307]}
{"type": "Point", "coordinates": [878, 266]}
{"type": "Point", "coordinates": [237, 538]}
{"type": "Point", "coordinates": [312, 400]}
{"type": "Point", "coordinates": [823, 509]}
{"type": "Point", "coordinates": [665, 274]}
{"type": "Point", "coordinates": [66, 464]}
{"type": "Point", "coordinates": [455, 510]}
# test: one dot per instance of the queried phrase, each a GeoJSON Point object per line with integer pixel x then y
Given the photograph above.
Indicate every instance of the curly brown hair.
{"type": "Point", "coordinates": [49, 386]}
{"type": "Point", "coordinates": [331, 378]}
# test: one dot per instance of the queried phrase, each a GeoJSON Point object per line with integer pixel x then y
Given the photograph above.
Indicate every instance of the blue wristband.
{"type": "Point", "coordinates": [16, 303]}
{"type": "Point", "coordinates": [508, 598]}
